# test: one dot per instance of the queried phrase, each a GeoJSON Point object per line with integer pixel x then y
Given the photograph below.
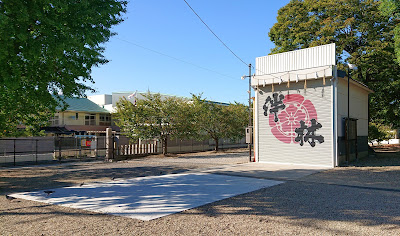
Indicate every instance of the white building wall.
{"type": "Point", "coordinates": [358, 107]}
{"type": "Point", "coordinates": [101, 99]}
{"type": "Point", "coordinates": [276, 144]}
{"type": "Point", "coordinates": [359, 111]}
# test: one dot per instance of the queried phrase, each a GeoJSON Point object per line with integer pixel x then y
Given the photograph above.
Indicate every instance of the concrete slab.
{"type": "Point", "coordinates": [148, 198]}
{"type": "Point", "coordinates": [267, 170]}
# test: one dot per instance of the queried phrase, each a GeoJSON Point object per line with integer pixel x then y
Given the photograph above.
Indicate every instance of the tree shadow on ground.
{"type": "Point", "coordinates": [312, 204]}
{"type": "Point", "coordinates": [56, 178]}
{"type": "Point", "coordinates": [381, 157]}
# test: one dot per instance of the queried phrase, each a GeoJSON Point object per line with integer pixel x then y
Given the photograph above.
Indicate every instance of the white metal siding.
{"type": "Point", "coordinates": [293, 76]}
{"type": "Point", "coordinates": [271, 149]}
{"type": "Point", "coordinates": [296, 60]}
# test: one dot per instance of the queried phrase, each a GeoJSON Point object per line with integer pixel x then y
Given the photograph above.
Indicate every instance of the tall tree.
{"type": "Point", "coordinates": [216, 121]}
{"type": "Point", "coordinates": [391, 9]}
{"type": "Point", "coordinates": [363, 36]}
{"type": "Point", "coordinates": [155, 117]}
{"type": "Point", "coordinates": [46, 48]}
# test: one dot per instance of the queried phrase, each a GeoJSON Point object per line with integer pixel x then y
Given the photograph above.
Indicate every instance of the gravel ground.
{"type": "Point", "coordinates": [342, 201]}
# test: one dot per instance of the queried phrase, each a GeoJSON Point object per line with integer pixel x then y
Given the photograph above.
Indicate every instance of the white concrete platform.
{"type": "Point", "coordinates": [147, 198]}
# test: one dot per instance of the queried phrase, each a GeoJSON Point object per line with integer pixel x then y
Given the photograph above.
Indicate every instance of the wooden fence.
{"type": "Point", "coordinates": [124, 148]}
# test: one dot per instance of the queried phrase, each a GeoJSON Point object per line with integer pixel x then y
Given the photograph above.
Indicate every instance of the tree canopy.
{"type": "Point", "coordinates": [363, 36]}
{"type": "Point", "coordinates": [214, 121]}
{"type": "Point", "coordinates": [155, 117]}
{"type": "Point", "coordinates": [171, 117]}
{"type": "Point", "coordinates": [391, 9]}
{"type": "Point", "coordinates": [378, 133]}
{"type": "Point", "coordinates": [49, 48]}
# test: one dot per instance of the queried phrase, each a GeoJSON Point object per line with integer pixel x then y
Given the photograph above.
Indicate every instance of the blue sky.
{"type": "Point", "coordinates": [171, 28]}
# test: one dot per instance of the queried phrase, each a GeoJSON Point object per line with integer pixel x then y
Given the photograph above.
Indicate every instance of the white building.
{"type": "Point", "coordinates": [109, 101]}
{"type": "Point", "coordinates": [301, 108]}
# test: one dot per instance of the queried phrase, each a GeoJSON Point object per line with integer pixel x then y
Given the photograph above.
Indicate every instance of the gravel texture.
{"type": "Point", "coordinates": [342, 201]}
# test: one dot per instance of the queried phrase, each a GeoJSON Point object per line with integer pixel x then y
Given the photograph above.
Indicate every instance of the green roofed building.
{"type": "Point", "coordinates": [82, 115]}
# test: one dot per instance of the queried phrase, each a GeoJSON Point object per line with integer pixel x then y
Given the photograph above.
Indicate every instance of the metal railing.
{"type": "Point", "coordinates": [25, 151]}
{"type": "Point", "coordinates": [39, 150]}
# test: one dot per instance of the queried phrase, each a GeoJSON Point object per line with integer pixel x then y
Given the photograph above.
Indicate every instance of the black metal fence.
{"type": "Point", "coordinates": [40, 150]}
{"type": "Point", "coordinates": [25, 151]}
{"type": "Point", "coordinates": [15, 150]}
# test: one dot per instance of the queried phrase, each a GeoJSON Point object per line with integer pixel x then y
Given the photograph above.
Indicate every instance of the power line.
{"type": "Point", "coordinates": [177, 59]}
{"type": "Point", "coordinates": [214, 33]}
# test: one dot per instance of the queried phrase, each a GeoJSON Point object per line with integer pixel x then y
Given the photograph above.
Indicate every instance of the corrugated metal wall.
{"type": "Point", "coordinates": [296, 60]}
{"type": "Point", "coordinates": [276, 140]}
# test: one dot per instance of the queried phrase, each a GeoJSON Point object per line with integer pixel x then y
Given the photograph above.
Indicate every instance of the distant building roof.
{"type": "Point", "coordinates": [82, 104]}
{"type": "Point", "coordinates": [218, 103]}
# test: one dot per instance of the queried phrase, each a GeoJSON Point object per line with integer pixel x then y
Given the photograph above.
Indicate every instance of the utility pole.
{"type": "Point", "coordinates": [250, 111]}
{"type": "Point", "coordinates": [348, 117]}
{"type": "Point", "coordinates": [249, 129]}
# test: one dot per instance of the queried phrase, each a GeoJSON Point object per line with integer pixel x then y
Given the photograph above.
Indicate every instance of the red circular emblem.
{"type": "Point", "coordinates": [296, 109]}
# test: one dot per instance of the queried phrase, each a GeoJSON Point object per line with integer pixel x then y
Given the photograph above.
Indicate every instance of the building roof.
{"type": "Point", "coordinates": [144, 93]}
{"type": "Point", "coordinates": [57, 130]}
{"type": "Point", "coordinates": [343, 74]}
{"type": "Point", "coordinates": [82, 104]}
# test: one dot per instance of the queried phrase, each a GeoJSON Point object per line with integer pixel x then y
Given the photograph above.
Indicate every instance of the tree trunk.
{"type": "Point", "coordinates": [216, 144]}
{"type": "Point", "coordinates": [165, 143]}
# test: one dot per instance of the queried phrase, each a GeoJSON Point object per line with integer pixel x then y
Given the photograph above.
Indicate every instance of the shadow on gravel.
{"type": "Point", "coordinates": [379, 159]}
{"type": "Point", "coordinates": [312, 204]}
{"type": "Point", "coordinates": [215, 155]}
{"type": "Point", "coordinates": [384, 155]}
{"type": "Point", "coordinates": [46, 179]}
{"type": "Point", "coordinates": [47, 212]}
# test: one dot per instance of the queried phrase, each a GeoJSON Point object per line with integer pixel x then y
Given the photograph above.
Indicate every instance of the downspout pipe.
{"type": "Point", "coordinates": [335, 118]}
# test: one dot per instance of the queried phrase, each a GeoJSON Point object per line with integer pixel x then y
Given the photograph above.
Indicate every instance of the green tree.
{"type": "Point", "coordinates": [363, 36]}
{"type": "Point", "coordinates": [216, 121]}
{"type": "Point", "coordinates": [47, 48]}
{"type": "Point", "coordinates": [378, 132]}
{"type": "Point", "coordinates": [391, 9]}
{"type": "Point", "coordinates": [155, 117]}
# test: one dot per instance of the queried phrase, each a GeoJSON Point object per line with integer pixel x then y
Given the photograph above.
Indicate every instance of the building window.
{"type": "Point", "coordinates": [90, 119]}
{"type": "Point", "coordinates": [105, 119]}
{"type": "Point", "coordinates": [76, 116]}
{"type": "Point", "coordinates": [54, 121]}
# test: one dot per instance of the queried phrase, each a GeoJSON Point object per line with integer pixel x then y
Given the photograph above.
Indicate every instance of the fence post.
{"type": "Point", "coordinates": [97, 146]}
{"type": "Point", "coordinates": [140, 146]}
{"type": "Point", "coordinates": [75, 147]}
{"type": "Point", "coordinates": [80, 148]}
{"type": "Point", "coordinates": [14, 152]}
{"type": "Point", "coordinates": [109, 144]}
{"type": "Point", "coordinates": [59, 149]}
{"type": "Point", "coordinates": [36, 150]}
